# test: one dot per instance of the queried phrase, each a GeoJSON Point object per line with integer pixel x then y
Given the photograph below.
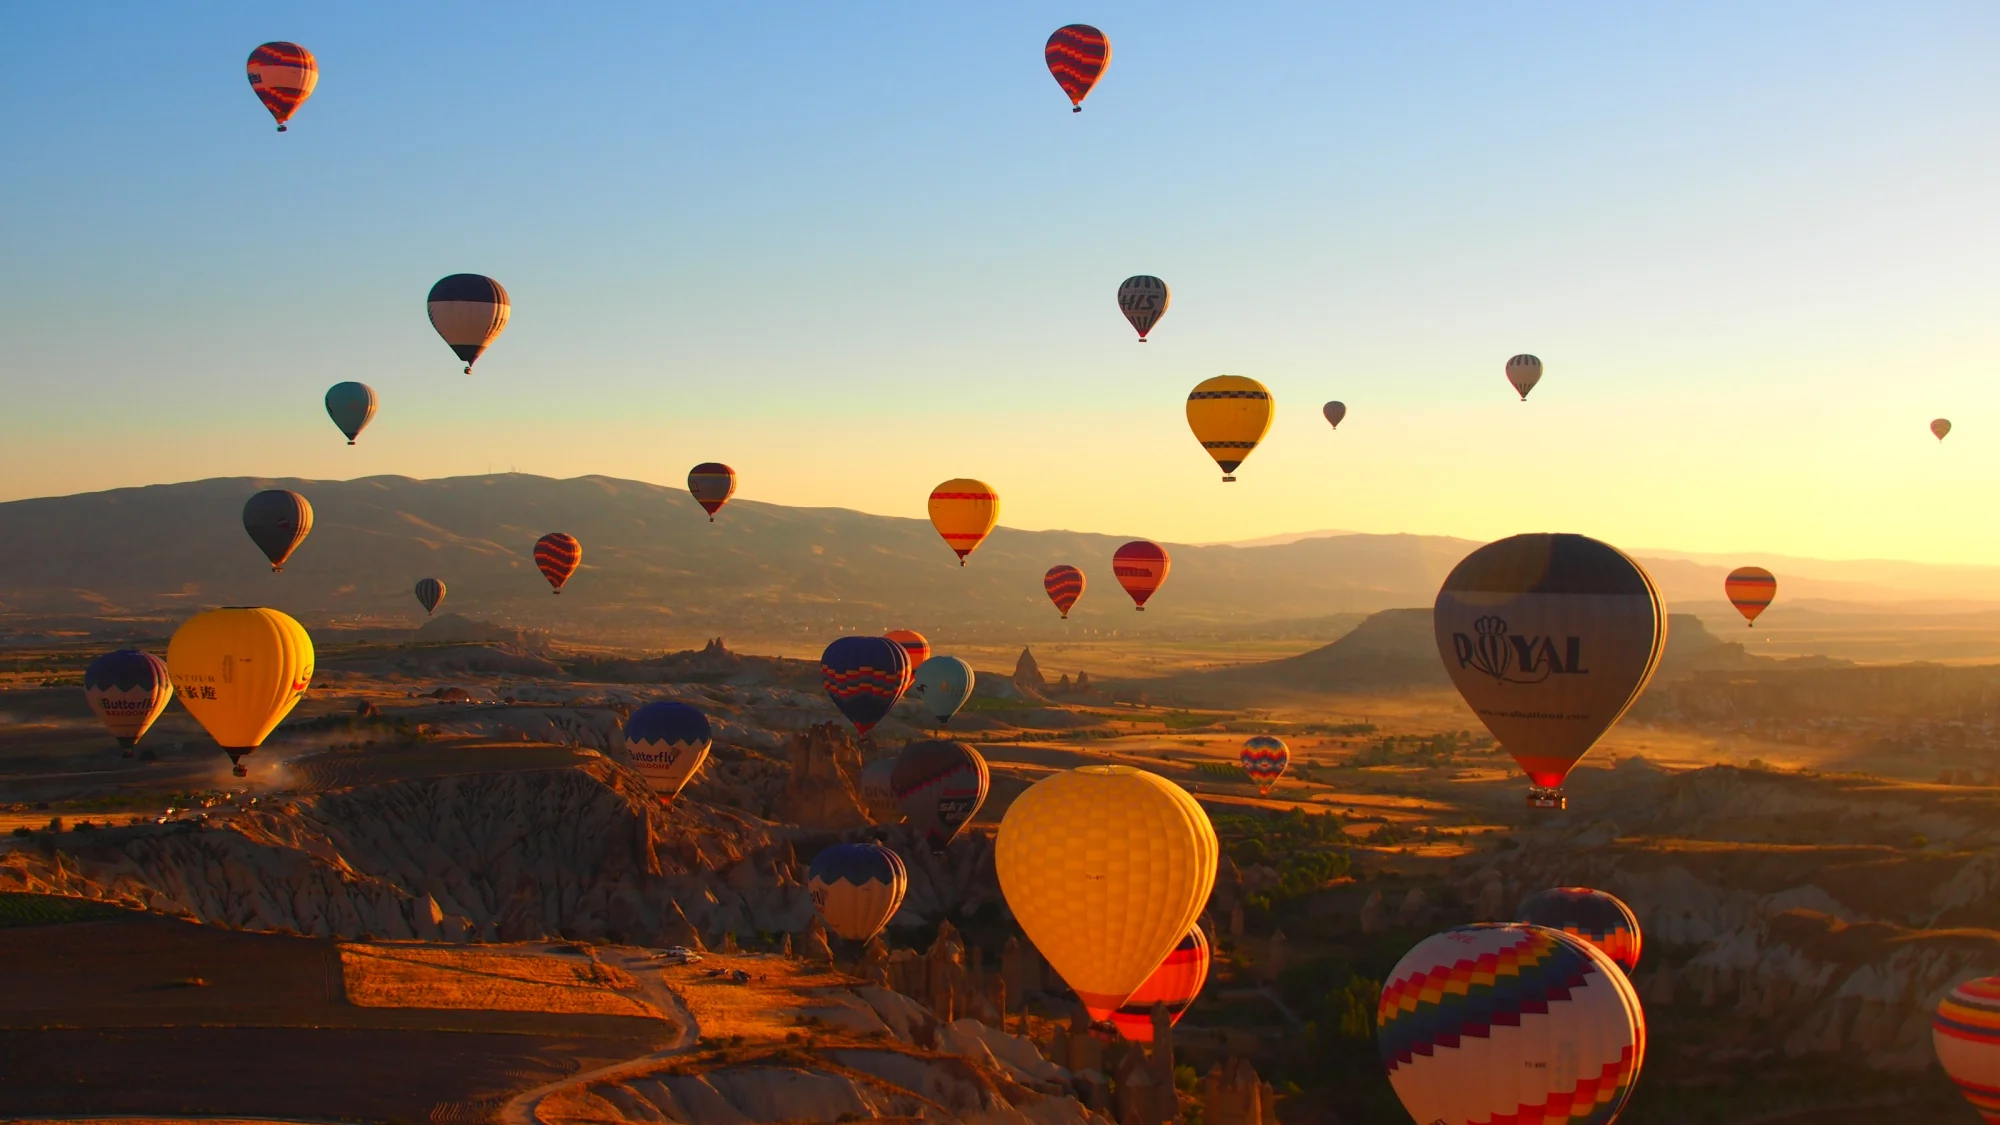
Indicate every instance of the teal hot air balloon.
{"type": "Point", "coordinates": [351, 406]}
{"type": "Point", "coordinates": [941, 686]}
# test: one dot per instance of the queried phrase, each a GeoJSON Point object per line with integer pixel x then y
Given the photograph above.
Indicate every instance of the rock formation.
{"type": "Point", "coordinates": [821, 791]}
{"type": "Point", "coordinates": [1027, 677]}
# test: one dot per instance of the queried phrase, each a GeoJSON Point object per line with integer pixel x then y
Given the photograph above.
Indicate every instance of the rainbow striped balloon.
{"type": "Point", "coordinates": [283, 76]}
{"type": "Point", "coordinates": [1265, 759]}
{"type": "Point", "coordinates": [1510, 1022]}
{"type": "Point", "coordinates": [864, 676]}
{"type": "Point", "coordinates": [1750, 589]}
{"type": "Point", "coordinates": [1600, 918]}
{"type": "Point", "coordinates": [1966, 1033]}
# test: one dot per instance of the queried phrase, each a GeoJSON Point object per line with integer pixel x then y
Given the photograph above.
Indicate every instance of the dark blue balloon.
{"type": "Point", "coordinates": [865, 676]}
{"type": "Point", "coordinates": [669, 723]}
{"type": "Point", "coordinates": [857, 865]}
{"type": "Point", "coordinates": [125, 670]}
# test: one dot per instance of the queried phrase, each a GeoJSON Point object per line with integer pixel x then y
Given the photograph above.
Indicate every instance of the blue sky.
{"type": "Point", "coordinates": [857, 250]}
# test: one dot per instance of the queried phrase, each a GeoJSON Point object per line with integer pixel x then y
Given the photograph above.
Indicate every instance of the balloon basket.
{"type": "Point", "coordinates": [1547, 799]}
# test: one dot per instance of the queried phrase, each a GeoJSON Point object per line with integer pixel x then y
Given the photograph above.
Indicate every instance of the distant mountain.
{"type": "Point", "coordinates": [653, 565]}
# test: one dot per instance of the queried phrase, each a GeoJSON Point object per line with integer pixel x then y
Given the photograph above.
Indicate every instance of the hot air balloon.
{"type": "Point", "coordinates": [964, 512]}
{"type": "Point", "coordinates": [1601, 920]}
{"type": "Point", "coordinates": [1077, 55]}
{"type": "Point", "coordinates": [939, 787]}
{"type": "Point", "coordinates": [1940, 427]}
{"type": "Point", "coordinates": [1549, 638]}
{"type": "Point", "coordinates": [712, 483]}
{"type": "Point", "coordinates": [857, 888]}
{"type": "Point", "coordinates": [1265, 759]}
{"type": "Point", "coordinates": [667, 742]}
{"type": "Point", "coordinates": [469, 311]}
{"type": "Point", "coordinates": [430, 591]}
{"type": "Point", "coordinates": [351, 406]}
{"type": "Point", "coordinates": [1509, 1022]}
{"type": "Point", "coordinates": [914, 644]}
{"type": "Point", "coordinates": [1965, 1032]}
{"type": "Point", "coordinates": [1175, 983]}
{"type": "Point", "coordinates": [283, 75]}
{"type": "Point", "coordinates": [942, 684]}
{"type": "Point", "coordinates": [558, 556]}
{"type": "Point", "coordinates": [878, 796]}
{"type": "Point", "coordinates": [127, 689]}
{"type": "Point", "coordinates": [1750, 590]}
{"type": "Point", "coordinates": [1334, 412]}
{"type": "Point", "coordinates": [239, 672]}
{"type": "Point", "coordinates": [1064, 584]}
{"type": "Point", "coordinates": [1524, 371]}
{"type": "Point", "coordinates": [1229, 416]}
{"type": "Point", "coordinates": [1106, 868]}
{"type": "Point", "coordinates": [1141, 567]}
{"type": "Point", "coordinates": [278, 521]}
{"type": "Point", "coordinates": [865, 676]}
{"type": "Point", "coordinates": [1144, 300]}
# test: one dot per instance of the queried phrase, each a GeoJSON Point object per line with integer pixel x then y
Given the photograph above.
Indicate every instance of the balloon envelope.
{"type": "Point", "coordinates": [469, 310]}
{"type": "Point", "coordinates": [239, 672]}
{"type": "Point", "coordinates": [1106, 868]}
{"type": "Point", "coordinates": [1229, 415]}
{"type": "Point", "coordinates": [1965, 1032]}
{"type": "Point", "coordinates": [1549, 638]}
{"type": "Point", "coordinates": [1940, 427]}
{"type": "Point", "coordinates": [1334, 412]}
{"type": "Point", "coordinates": [1064, 584]}
{"type": "Point", "coordinates": [1750, 590]}
{"type": "Point", "coordinates": [667, 742]}
{"type": "Point", "coordinates": [278, 521]}
{"type": "Point", "coordinates": [964, 512]}
{"type": "Point", "coordinates": [1077, 55]}
{"type": "Point", "coordinates": [430, 592]}
{"type": "Point", "coordinates": [857, 888]}
{"type": "Point", "coordinates": [351, 406]}
{"type": "Point", "coordinates": [939, 786]}
{"type": "Point", "coordinates": [1265, 758]}
{"type": "Point", "coordinates": [1144, 300]}
{"type": "Point", "coordinates": [127, 690]}
{"type": "Point", "coordinates": [557, 556]}
{"type": "Point", "coordinates": [1524, 371]}
{"type": "Point", "coordinates": [283, 75]}
{"type": "Point", "coordinates": [915, 646]}
{"type": "Point", "coordinates": [1141, 567]}
{"type": "Point", "coordinates": [865, 676]}
{"type": "Point", "coordinates": [1509, 1022]}
{"type": "Point", "coordinates": [1175, 983]}
{"type": "Point", "coordinates": [712, 483]}
{"type": "Point", "coordinates": [942, 684]}
{"type": "Point", "coordinates": [1595, 917]}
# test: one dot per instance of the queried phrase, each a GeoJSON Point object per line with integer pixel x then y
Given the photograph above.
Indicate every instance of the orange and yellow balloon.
{"type": "Point", "coordinates": [1106, 868]}
{"type": "Point", "coordinates": [1229, 415]}
{"type": "Point", "coordinates": [239, 672]}
{"type": "Point", "coordinates": [1750, 590]}
{"type": "Point", "coordinates": [964, 512]}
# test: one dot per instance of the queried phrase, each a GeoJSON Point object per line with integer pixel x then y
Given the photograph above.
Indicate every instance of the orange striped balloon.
{"type": "Point", "coordinates": [283, 76]}
{"type": "Point", "coordinates": [964, 512]}
{"type": "Point", "coordinates": [1064, 584]}
{"type": "Point", "coordinates": [1077, 55]}
{"type": "Point", "coordinates": [913, 643]}
{"type": "Point", "coordinates": [1175, 983]}
{"type": "Point", "coordinates": [1966, 1035]}
{"type": "Point", "coordinates": [1750, 590]}
{"type": "Point", "coordinates": [558, 555]}
{"type": "Point", "coordinates": [1141, 567]}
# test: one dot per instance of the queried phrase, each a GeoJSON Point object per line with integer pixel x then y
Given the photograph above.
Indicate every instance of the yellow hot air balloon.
{"type": "Point", "coordinates": [239, 672]}
{"type": "Point", "coordinates": [1105, 867]}
{"type": "Point", "coordinates": [1229, 416]}
{"type": "Point", "coordinates": [964, 512]}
